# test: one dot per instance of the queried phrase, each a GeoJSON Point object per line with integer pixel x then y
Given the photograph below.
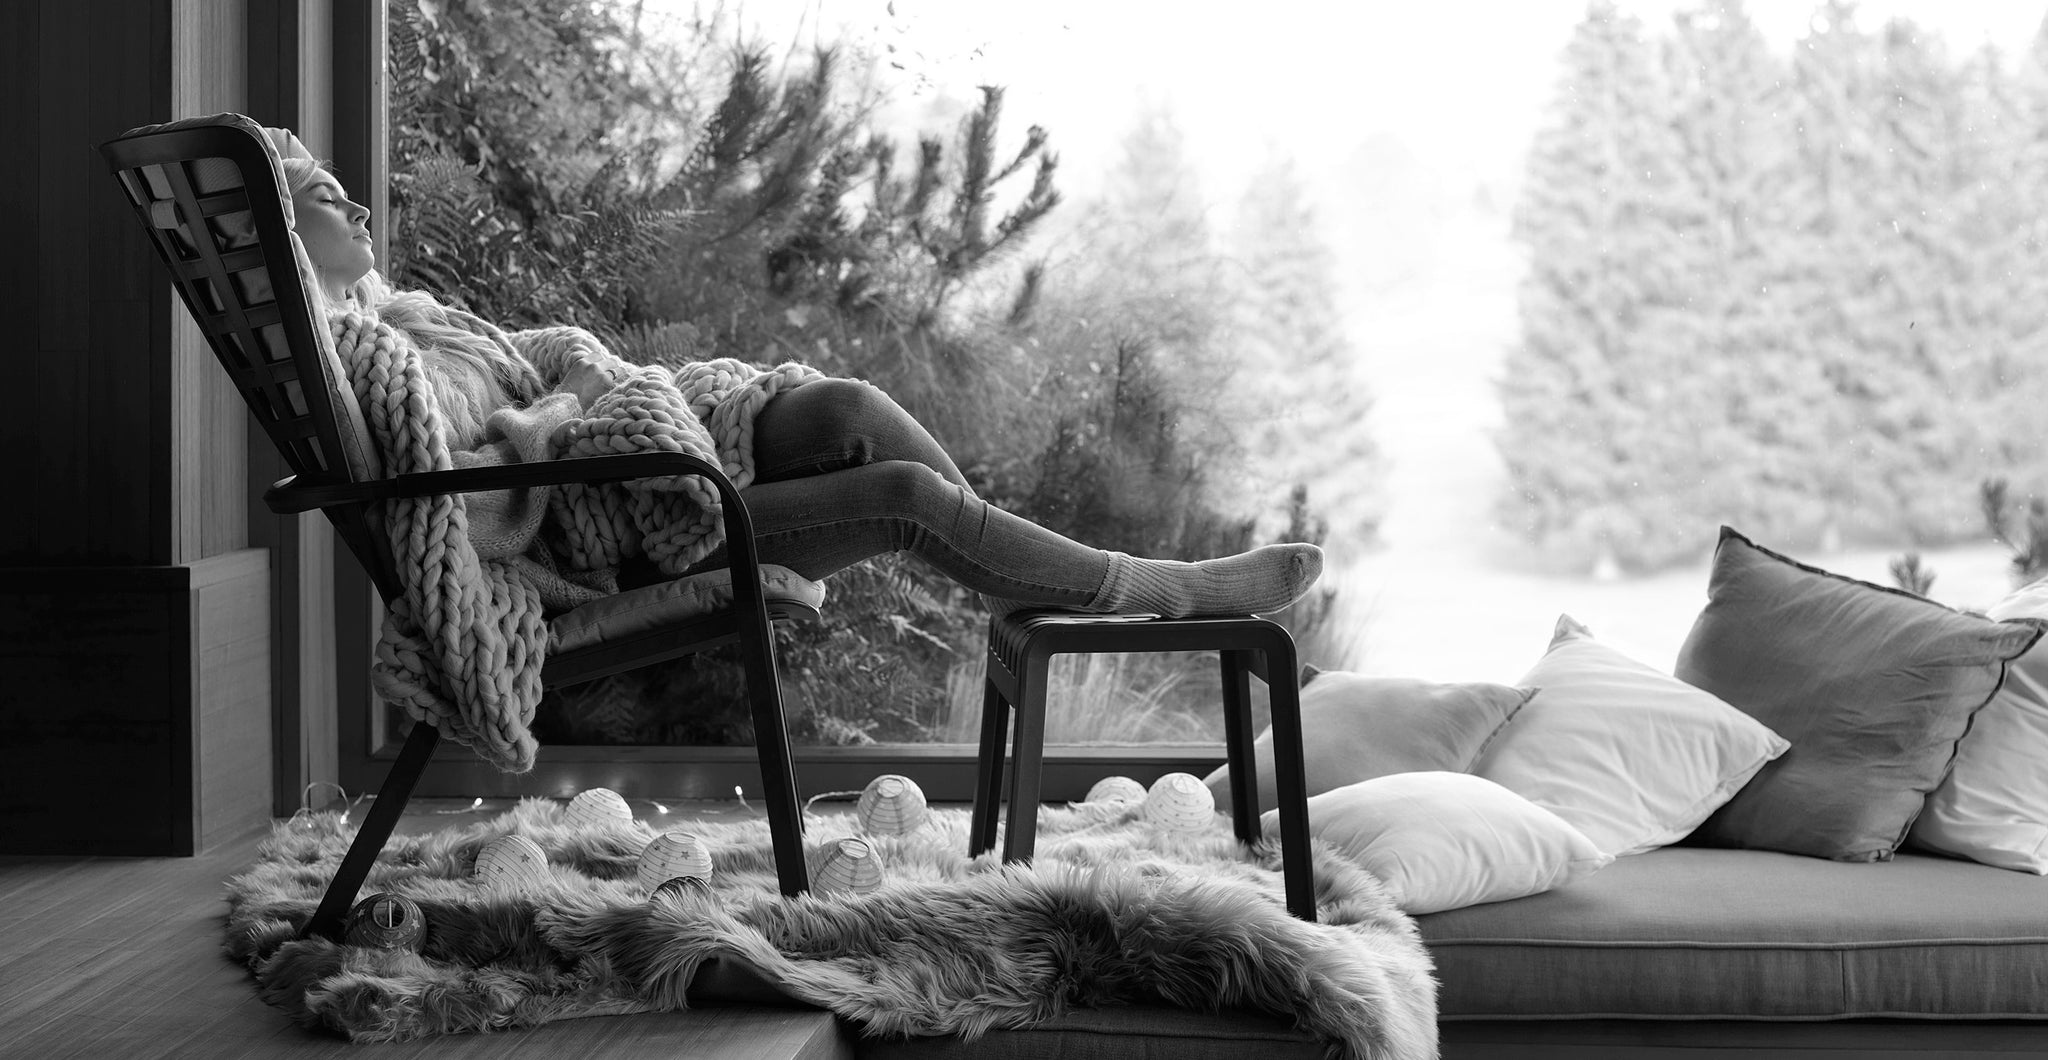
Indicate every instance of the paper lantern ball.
{"type": "Point", "coordinates": [891, 805]}
{"type": "Point", "coordinates": [386, 922]}
{"type": "Point", "coordinates": [673, 854]}
{"type": "Point", "coordinates": [682, 888]}
{"type": "Point", "coordinates": [1181, 802]}
{"type": "Point", "coordinates": [1116, 789]}
{"type": "Point", "coordinates": [598, 808]}
{"type": "Point", "coordinates": [850, 867]}
{"type": "Point", "coordinates": [511, 863]}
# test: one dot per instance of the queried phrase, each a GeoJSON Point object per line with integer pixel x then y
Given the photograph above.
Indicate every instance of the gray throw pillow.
{"type": "Point", "coordinates": [1872, 686]}
{"type": "Point", "coordinates": [1356, 727]}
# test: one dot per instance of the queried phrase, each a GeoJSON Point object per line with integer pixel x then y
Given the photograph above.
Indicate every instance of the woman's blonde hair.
{"type": "Point", "coordinates": [472, 367]}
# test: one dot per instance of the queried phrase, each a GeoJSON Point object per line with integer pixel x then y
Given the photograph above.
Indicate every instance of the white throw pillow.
{"type": "Point", "coordinates": [1448, 840]}
{"type": "Point", "coordinates": [1993, 806]}
{"type": "Point", "coordinates": [1629, 755]}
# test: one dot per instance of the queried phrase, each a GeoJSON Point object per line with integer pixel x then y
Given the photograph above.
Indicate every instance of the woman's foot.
{"type": "Point", "coordinates": [1262, 580]}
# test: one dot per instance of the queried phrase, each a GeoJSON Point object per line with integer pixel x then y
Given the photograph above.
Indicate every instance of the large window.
{"type": "Point", "coordinates": [1510, 311]}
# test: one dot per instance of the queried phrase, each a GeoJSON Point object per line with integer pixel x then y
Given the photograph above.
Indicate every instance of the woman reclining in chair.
{"type": "Point", "coordinates": [832, 470]}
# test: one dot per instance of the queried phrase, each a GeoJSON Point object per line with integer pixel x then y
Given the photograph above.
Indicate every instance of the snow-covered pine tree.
{"type": "Point", "coordinates": [1838, 308]}
{"type": "Point", "coordinates": [2009, 218]}
{"type": "Point", "coordinates": [1836, 254]}
{"type": "Point", "coordinates": [1307, 402]}
{"type": "Point", "coordinates": [1888, 159]}
{"type": "Point", "coordinates": [1150, 232]}
{"type": "Point", "coordinates": [1918, 342]}
{"type": "Point", "coordinates": [2028, 363]}
{"type": "Point", "coordinates": [1138, 310]}
{"type": "Point", "coordinates": [1586, 392]}
{"type": "Point", "coordinates": [1999, 308]}
{"type": "Point", "coordinates": [1133, 367]}
{"type": "Point", "coordinates": [1739, 430]}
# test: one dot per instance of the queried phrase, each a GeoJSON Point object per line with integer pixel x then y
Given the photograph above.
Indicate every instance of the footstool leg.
{"type": "Point", "coordinates": [1027, 757]}
{"type": "Point", "coordinates": [1290, 783]}
{"type": "Point", "coordinates": [1237, 742]}
{"type": "Point", "coordinates": [988, 770]}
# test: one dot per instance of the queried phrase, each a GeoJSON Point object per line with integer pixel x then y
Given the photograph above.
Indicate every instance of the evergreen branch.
{"type": "Point", "coordinates": [970, 209]}
{"type": "Point", "coordinates": [1034, 141]}
{"type": "Point", "coordinates": [1027, 294]}
{"type": "Point", "coordinates": [930, 177]}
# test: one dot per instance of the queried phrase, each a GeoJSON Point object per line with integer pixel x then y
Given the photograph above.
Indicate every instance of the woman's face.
{"type": "Point", "coordinates": [334, 232]}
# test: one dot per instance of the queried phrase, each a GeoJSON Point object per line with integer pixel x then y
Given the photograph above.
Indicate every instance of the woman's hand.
{"type": "Point", "coordinates": [589, 380]}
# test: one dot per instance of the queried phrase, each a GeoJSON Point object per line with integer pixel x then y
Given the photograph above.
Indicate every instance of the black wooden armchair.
{"type": "Point", "coordinates": [211, 194]}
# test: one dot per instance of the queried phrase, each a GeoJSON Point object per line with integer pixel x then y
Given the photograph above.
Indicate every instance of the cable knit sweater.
{"type": "Point", "coordinates": [463, 647]}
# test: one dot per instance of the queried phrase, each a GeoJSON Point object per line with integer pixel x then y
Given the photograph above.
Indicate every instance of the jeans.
{"type": "Point", "coordinates": [842, 473]}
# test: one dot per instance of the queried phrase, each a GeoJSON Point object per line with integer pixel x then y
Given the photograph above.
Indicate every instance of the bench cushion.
{"type": "Point", "coordinates": [1697, 933]}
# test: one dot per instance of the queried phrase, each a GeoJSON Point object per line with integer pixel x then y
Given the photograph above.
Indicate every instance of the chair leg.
{"type": "Point", "coordinates": [778, 772]}
{"type": "Point", "coordinates": [1237, 742]}
{"type": "Point", "coordinates": [1027, 756]}
{"type": "Point", "coordinates": [1290, 780]}
{"type": "Point", "coordinates": [988, 770]}
{"type": "Point", "coordinates": [370, 838]}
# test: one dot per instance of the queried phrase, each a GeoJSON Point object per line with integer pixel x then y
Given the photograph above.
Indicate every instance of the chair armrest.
{"type": "Point", "coordinates": [285, 497]}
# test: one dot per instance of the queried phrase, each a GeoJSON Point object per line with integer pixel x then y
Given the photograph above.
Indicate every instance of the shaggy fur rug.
{"type": "Point", "coordinates": [1112, 911]}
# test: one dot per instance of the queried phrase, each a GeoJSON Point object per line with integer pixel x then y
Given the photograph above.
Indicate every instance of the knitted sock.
{"type": "Point", "coordinates": [998, 606]}
{"type": "Point", "coordinates": [1264, 579]}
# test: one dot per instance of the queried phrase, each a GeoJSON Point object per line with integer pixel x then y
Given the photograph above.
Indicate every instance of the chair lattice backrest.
{"type": "Point", "coordinates": [211, 193]}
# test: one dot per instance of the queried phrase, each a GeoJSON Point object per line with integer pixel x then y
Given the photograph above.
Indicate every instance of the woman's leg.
{"type": "Point", "coordinates": [845, 474]}
{"type": "Point", "coordinates": [821, 524]}
{"type": "Point", "coordinates": [833, 424]}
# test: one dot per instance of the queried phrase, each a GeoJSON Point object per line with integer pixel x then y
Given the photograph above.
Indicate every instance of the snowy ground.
{"type": "Point", "coordinates": [1442, 598]}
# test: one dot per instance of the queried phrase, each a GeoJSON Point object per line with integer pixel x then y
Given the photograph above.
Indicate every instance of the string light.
{"type": "Point", "coordinates": [475, 805]}
{"type": "Point", "coordinates": [829, 795]}
{"type": "Point", "coordinates": [303, 819]}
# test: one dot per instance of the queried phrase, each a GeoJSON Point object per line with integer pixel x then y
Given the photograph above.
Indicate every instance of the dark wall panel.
{"type": "Point", "coordinates": [135, 624]}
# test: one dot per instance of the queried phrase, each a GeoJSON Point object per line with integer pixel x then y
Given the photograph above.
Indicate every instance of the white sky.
{"type": "Point", "coordinates": [1461, 84]}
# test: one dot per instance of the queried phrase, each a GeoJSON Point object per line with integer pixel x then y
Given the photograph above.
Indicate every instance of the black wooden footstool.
{"type": "Point", "coordinates": [1020, 647]}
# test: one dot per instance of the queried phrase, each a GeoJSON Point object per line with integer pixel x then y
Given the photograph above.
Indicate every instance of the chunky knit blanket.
{"type": "Point", "coordinates": [462, 649]}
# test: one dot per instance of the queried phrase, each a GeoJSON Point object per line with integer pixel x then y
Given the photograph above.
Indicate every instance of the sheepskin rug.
{"type": "Point", "coordinates": [1112, 911]}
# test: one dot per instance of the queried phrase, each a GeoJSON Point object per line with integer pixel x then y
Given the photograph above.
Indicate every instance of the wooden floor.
{"type": "Point", "coordinates": [121, 957]}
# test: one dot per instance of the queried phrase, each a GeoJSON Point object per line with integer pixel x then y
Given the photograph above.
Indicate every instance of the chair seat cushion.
{"type": "Point", "coordinates": [652, 607]}
{"type": "Point", "coordinates": [1699, 933]}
